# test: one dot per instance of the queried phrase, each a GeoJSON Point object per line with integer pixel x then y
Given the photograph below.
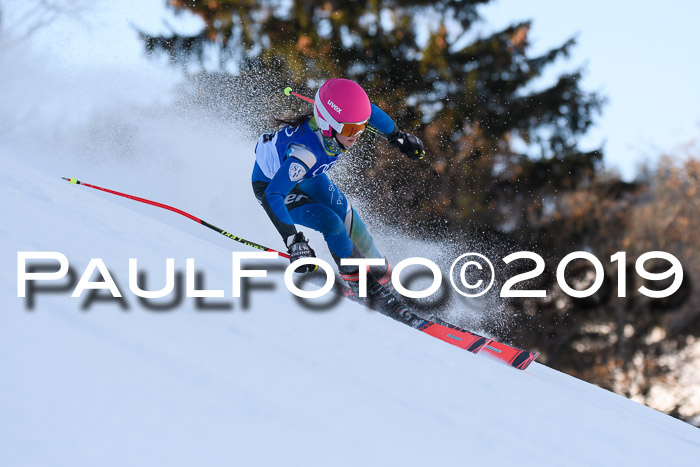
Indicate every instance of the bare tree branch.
{"type": "Point", "coordinates": [39, 14]}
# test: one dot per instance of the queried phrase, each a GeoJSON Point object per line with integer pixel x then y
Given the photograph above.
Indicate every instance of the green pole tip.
{"type": "Point", "coordinates": [287, 90]}
{"type": "Point", "coordinates": [73, 181]}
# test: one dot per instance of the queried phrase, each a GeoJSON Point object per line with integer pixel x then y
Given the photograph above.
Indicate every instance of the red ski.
{"type": "Point", "coordinates": [515, 357]}
{"type": "Point", "coordinates": [475, 343]}
{"type": "Point", "coordinates": [467, 340]}
{"type": "Point", "coordinates": [455, 336]}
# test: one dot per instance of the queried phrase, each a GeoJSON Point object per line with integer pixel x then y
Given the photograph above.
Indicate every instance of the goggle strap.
{"type": "Point", "coordinates": [326, 114]}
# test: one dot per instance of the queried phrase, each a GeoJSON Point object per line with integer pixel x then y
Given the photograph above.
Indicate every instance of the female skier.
{"type": "Point", "coordinates": [290, 181]}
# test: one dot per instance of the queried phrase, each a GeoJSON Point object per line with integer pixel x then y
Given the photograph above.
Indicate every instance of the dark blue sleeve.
{"type": "Point", "coordinates": [278, 189]}
{"type": "Point", "coordinates": [381, 121]}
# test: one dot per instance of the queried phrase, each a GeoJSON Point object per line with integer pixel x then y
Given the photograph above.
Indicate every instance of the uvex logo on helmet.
{"type": "Point", "coordinates": [340, 100]}
{"type": "Point", "coordinates": [335, 107]}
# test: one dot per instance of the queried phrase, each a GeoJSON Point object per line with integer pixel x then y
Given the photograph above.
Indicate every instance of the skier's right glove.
{"type": "Point", "coordinates": [298, 248]}
{"type": "Point", "coordinates": [409, 144]}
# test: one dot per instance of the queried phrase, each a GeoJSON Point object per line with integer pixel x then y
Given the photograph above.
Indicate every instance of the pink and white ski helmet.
{"type": "Point", "coordinates": [341, 105]}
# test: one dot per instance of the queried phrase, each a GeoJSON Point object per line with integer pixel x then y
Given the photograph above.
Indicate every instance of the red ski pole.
{"type": "Point", "coordinates": [74, 181]}
{"type": "Point", "coordinates": [288, 91]}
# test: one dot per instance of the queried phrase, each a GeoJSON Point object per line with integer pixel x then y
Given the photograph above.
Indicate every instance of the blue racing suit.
{"type": "Point", "coordinates": [290, 182]}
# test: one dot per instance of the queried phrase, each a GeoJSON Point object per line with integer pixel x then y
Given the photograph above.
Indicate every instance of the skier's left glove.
{"type": "Point", "coordinates": [298, 248]}
{"type": "Point", "coordinates": [408, 144]}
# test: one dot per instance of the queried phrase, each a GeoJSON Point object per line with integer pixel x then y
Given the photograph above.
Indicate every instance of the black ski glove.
{"type": "Point", "coordinates": [298, 248]}
{"type": "Point", "coordinates": [408, 144]}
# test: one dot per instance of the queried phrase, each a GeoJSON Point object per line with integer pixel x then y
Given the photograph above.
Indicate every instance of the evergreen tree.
{"type": "Point", "coordinates": [468, 98]}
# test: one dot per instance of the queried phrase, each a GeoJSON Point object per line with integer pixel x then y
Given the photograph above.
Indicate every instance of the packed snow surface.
{"type": "Point", "coordinates": [263, 383]}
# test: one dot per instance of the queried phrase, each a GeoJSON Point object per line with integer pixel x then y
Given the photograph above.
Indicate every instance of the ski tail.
{"type": "Point", "coordinates": [456, 336]}
{"type": "Point", "coordinates": [513, 356]}
{"type": "Point", "coordinates": [476, 343]}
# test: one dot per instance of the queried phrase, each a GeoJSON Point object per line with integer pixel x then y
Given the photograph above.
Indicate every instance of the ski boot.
{"type": "Point", "coordinates": [380, 295]}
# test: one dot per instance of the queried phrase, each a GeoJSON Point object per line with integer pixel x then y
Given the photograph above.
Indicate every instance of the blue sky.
{"type": "Point", "coordinates": [642, 57]}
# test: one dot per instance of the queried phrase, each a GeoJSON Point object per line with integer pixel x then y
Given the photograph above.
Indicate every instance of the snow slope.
{"type": "Point", "coordinates": [274, 384]}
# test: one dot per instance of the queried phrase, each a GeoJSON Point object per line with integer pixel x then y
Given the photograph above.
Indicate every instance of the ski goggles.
{"type": "Point", "coordinates": [351, 129]}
